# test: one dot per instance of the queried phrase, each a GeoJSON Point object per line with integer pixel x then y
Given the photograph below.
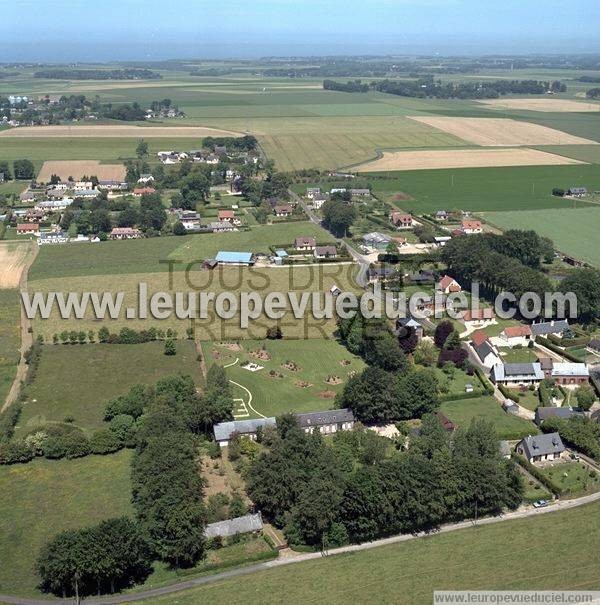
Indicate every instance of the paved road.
{"type": "Point", "coordinates": [194, 582]}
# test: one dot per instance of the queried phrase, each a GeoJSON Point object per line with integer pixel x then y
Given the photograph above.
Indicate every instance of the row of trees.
{"type": "Point", "coordinates": [21, 170]}
{"type": "Point", "coordinates": [353, 490]}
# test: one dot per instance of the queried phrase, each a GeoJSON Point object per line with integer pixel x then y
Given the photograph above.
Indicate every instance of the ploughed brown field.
{"type": "Point", "coordinates": [463, 158]}
{"type": "Point", "coordinates": [501, 132]}
{"type": "Point", "coordinates": [13, 258]}
{"type": "Point", "coordinates": [98, 130]}
{"type": "Point", "coordinates": [79, 168]}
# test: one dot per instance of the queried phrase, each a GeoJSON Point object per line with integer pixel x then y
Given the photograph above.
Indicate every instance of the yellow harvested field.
{"type": "Point", "coordinates": [79, 168]}
{"type": "Point", "coordinates": [549, 105]}
{"type": "Point", "coordinates": [463, 158]}
{"type": "Point", "coordinates": [501, 132]}
{"type": "Point", "coordinates": [13, 259]}
{"type": "Point", "coordinates": [97, 130]}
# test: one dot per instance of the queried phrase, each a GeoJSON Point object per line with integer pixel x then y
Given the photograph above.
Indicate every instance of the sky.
{"type": "Point", "coordinates": [105, 30]}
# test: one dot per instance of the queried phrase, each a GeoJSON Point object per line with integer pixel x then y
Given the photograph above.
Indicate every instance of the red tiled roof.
{"type": "Point", "coordinates": [28, 227]}
{"type": "Point", "coordinates": [478, 314]}
{"type": "Point", "coordinates": [479, 337]}
{"type": "Point", "coordinates": [446, 281]}
{"type": "Point", "coordinates": [470, 224]}
{"type": "Point", "coordinates": [517, 331]}
{"type": "Point", "coordinates": [226, 214]}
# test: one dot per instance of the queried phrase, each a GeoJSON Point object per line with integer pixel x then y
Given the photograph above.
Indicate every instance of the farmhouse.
{"type": "Point", "coordinates": [282, 210]}
{"type": "Point", "coordinates": [305, 243]}
{"type": "Point", "coordinates": [448, 285]}
{"type": "Point", "coordinates": [322, 252]}
{"type": "Point", "coordinates": [516, 374]}
{"type": "Point", "coordinates": [401, 220]}
{"type": "Point", "coordinates": [568, 373]}
{"type": "Point", "coordinates": [124, 233]}
{"type": "Point", "coordinates": [376, 240]}
{"type": "Point", "coordinates": [234, 258]}
{"type": "Point", "coordinates": [327, 422]}
{"type": "Point", "coordinates": [484, 350]}
{"type": "Point", "coordinates": [52, 237]}
{"type": "Point", "coordinates": [540, 448]}
{"type": "Point", "coordinates": [470, 226]}
{"type": "Point", "coordinates": [557, 328]}
{"type": "Point", "coordinates": [516, 335]}
{"type": "Point", "coordinates": [28, 229]}
{"type": "Point", "coordinates": [544, 413]}
{"type": "Point", "coordinates": [232, 527]}
{"type": "Point", "coordinates": [223, 431]}
{"type": "Point", "coordinates": [478, 317]}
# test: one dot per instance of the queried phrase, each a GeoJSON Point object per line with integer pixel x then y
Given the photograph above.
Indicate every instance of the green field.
{"type": "Point", "coordinates": [574, 478]}
{"type": "Point", "coordinates": [485, 189]}
{"type": "Point", "coordinates": [314, 278]}
{"type": "Point", "coordinates": [479, 558]}
{"type": "Point", "coordinates": [461, 412]}
{"type": "Point", "coordinates": [10, 339]}
{"type": "Point", "coordinates": [77, 380]}
{"type": "Point", "coordinates": [43, 497]}
{"type": "Point", "coordinates": [145, 255]}
{"type": "Point", "coordinates": [573, 231]}
{"type": "Point", "coordinates": [272, 395]}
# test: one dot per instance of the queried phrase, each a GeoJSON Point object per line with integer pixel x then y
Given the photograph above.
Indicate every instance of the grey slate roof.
{"type": "Point", "coordinates": [224, 430]}
{"type": "Point", "coordinates": [483, 350]}
{"type": "Point", "coordinates": [549, 327]}
{"type": "Point", "coordinates": [324, 418]}
{"type": "Point", "coordinates": [542, 445]}
{"type": "Point", "coordinates": [544, 413]}
{"type": "Point", "coordinates": [231, 527]}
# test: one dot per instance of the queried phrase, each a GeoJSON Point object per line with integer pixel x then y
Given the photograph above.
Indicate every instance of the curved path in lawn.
{"type": "Point", "coordinates": [242, 571]}
{"type": "Point", "coordinates": [241, 386]}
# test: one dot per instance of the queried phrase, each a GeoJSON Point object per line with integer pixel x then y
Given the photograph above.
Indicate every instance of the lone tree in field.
{"type": "Point", "coordinates": [142, 149]}
{"type": "Point", "coordinates": [170, 348]}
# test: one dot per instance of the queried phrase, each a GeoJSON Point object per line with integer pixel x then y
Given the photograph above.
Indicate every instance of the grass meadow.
{"type": "Point", "coordinates": [10, 339]}
{"type": "Point", "coordinates": [281, 386]}
{"type": "Point", "coordinates": [315, 278]}
{"type": "Point", "coordinates": [461, 412]}
{"type": "Point", "coordinates": [76, 381]}
{"type": "Point", "coordinates": [44, 497]}
{"type": "Point", "coordinates": [477, 558]}
{"type": "Point", "coordinates": [573, 231]}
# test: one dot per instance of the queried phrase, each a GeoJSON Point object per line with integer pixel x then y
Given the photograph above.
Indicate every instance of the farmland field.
{"type": "Point", "coordinates": [44, 497]}
{"type": "Point", "coordinates": [485, 189]}
{"type": "Point", "coordinates": [477, 558]}
{"type": "Point", "coordinates": [13, 259]}
{"type": "Point", "coordinates": [546, 105]}
{"type": "Point", "coordinates": [79, 168]}
{"type": "Point", "coordinates": [318, 279]}
{"type": "Point", "coordinates": [278, 388]}
{"type": "Point", "coordinates": [10, 339]}
{"type": "Point", "coordinates": [461, 412]}
{"type": "Point", "coordinates": [573, 231]}
{"type": "Point", "coordinates": [76, 381]}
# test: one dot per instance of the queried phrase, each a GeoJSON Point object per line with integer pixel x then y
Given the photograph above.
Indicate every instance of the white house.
{"type": "Point", "coordinates": [516, 335]}
{"type": "Point", "coordinates": [540, 448]}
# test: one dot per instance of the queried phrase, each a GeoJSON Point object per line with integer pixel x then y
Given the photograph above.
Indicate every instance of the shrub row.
{"type": "Point", "coordinates": [546, 343]}
{"type": "Point", "coordinates": [535, 472]}
{"type": "Point", "coordinates": [485, 381]}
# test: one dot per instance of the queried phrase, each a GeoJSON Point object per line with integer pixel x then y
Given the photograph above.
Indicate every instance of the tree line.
{"type": "Point", "coordinates": [130, 73]}
{"type": "Point", "coordinates": [356, 487]}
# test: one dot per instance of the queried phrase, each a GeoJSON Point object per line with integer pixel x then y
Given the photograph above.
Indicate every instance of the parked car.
{"type": "Point", "coordinates": [576, 457]}
{"type": "Point", "coordinates": [540, 503]}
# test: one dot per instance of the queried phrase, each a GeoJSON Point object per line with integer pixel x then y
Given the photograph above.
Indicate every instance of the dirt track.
{"type": "Point", "coordinates": [78, 168]}
{"type": "Point", "coordinates": [546, 105]}
{"type": "Point", "coordinates": [463, 158]}
{"type": "Point", "coordinates": [115, 131]}
{"type": "Point", "coordinates": [501, 132]}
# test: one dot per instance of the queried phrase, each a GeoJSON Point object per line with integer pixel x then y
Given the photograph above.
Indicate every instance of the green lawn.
{"type": "Point", "coordinates": [461, 412]}
{"type": "Point", "coordinates": [43, 497]}
{"type": "Point", "coordinates": [77, 380]}
{"type": "Point", "coordinates": [10, 339]}
{"type": "Point", "coordinates": [477, 558]}
{"type": "Point", "coordinates": [573, 231]}
{"type": "Point", "coordinates": [272, 395]}
{"type": "Point", "coordinates": [573, 478]}
{"type": "Point", "coordinates": [458, 381]}
{"type": "Point", "coordinates": [485, 189]}
{"type": "Point", "coordinates": [514, 355]}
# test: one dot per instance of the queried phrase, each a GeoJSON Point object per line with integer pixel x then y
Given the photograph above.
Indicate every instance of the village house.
{"type": "Point", "coordinates": [566, 373]}
{"type": "Point", "coordinates": [53, 237]}
{"type": "Point", "coordinates": [517, 374]}
{"type": "Point", "coordinates": [56, 193]}
{"type": "Point", "coordinates": [221, 226]}
{"type": "Point", "coordinates": [470, 226]}
{"type": "Point", "coordinates": [111, 185]}
{"type": "Point", "coordinates": [53, 205]}
{"type": "Point", "coordinates": [248, 524]}
{"type": "Point", "coordinates": [484, 349]}
{"type": "Point", "coordinates": [124, 233]}
{"type": "Point", "coordinates": [376, 240]}
{"type": "Point", "coordinates": [380, 274]}
{"type": "Point", "coordinates": [360, 192]}
{"type": "Point", "coordinates": [593, 346]}
{"type": "Point", "coordinates": [305, 243]}
{"type": "Point", "coordinates": [318, 200]}
{"type": "Point", "coordinates": [542, 414]}
{"type": "Point", "coordinates": [441, 240]}
{"type": "Point", "coordinates": [577, 191]}
{"type": "Point", "coordinates": [328, 422]}
{"type": "Point", "coordinates": [145, 179]}
{"type": "Point", "coordinates": [312, 191]}
{"type": "Point", "coordinates": [324, 252]}
{"type": "Point", "coordinates": [516, 335]}
{"type": "Point", "coordinates": [282, 210]}
{"type": "Point", "coordinates": [28, 229]}
{"type": "Point", "coordinates": [555, 327]}
{"type": "Point", "coordinates": [482, 317]}
{"type": "Point", "coordinates": [223, 431]}
{"type": "Point", "coordinates": [441, 215]}
{"type": "Point", "coordinates": [401, 220]}
{"type": "Point", "coordinates": [541, 448]}
{"type": "Point", "coordinates": [448, 285]}
{"type": "Point", "coordinates": [27, 196]}
{"type": "Point", "coordinates": [139, 191]}
{"type": "Point", "coordinates": [226, 215]}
